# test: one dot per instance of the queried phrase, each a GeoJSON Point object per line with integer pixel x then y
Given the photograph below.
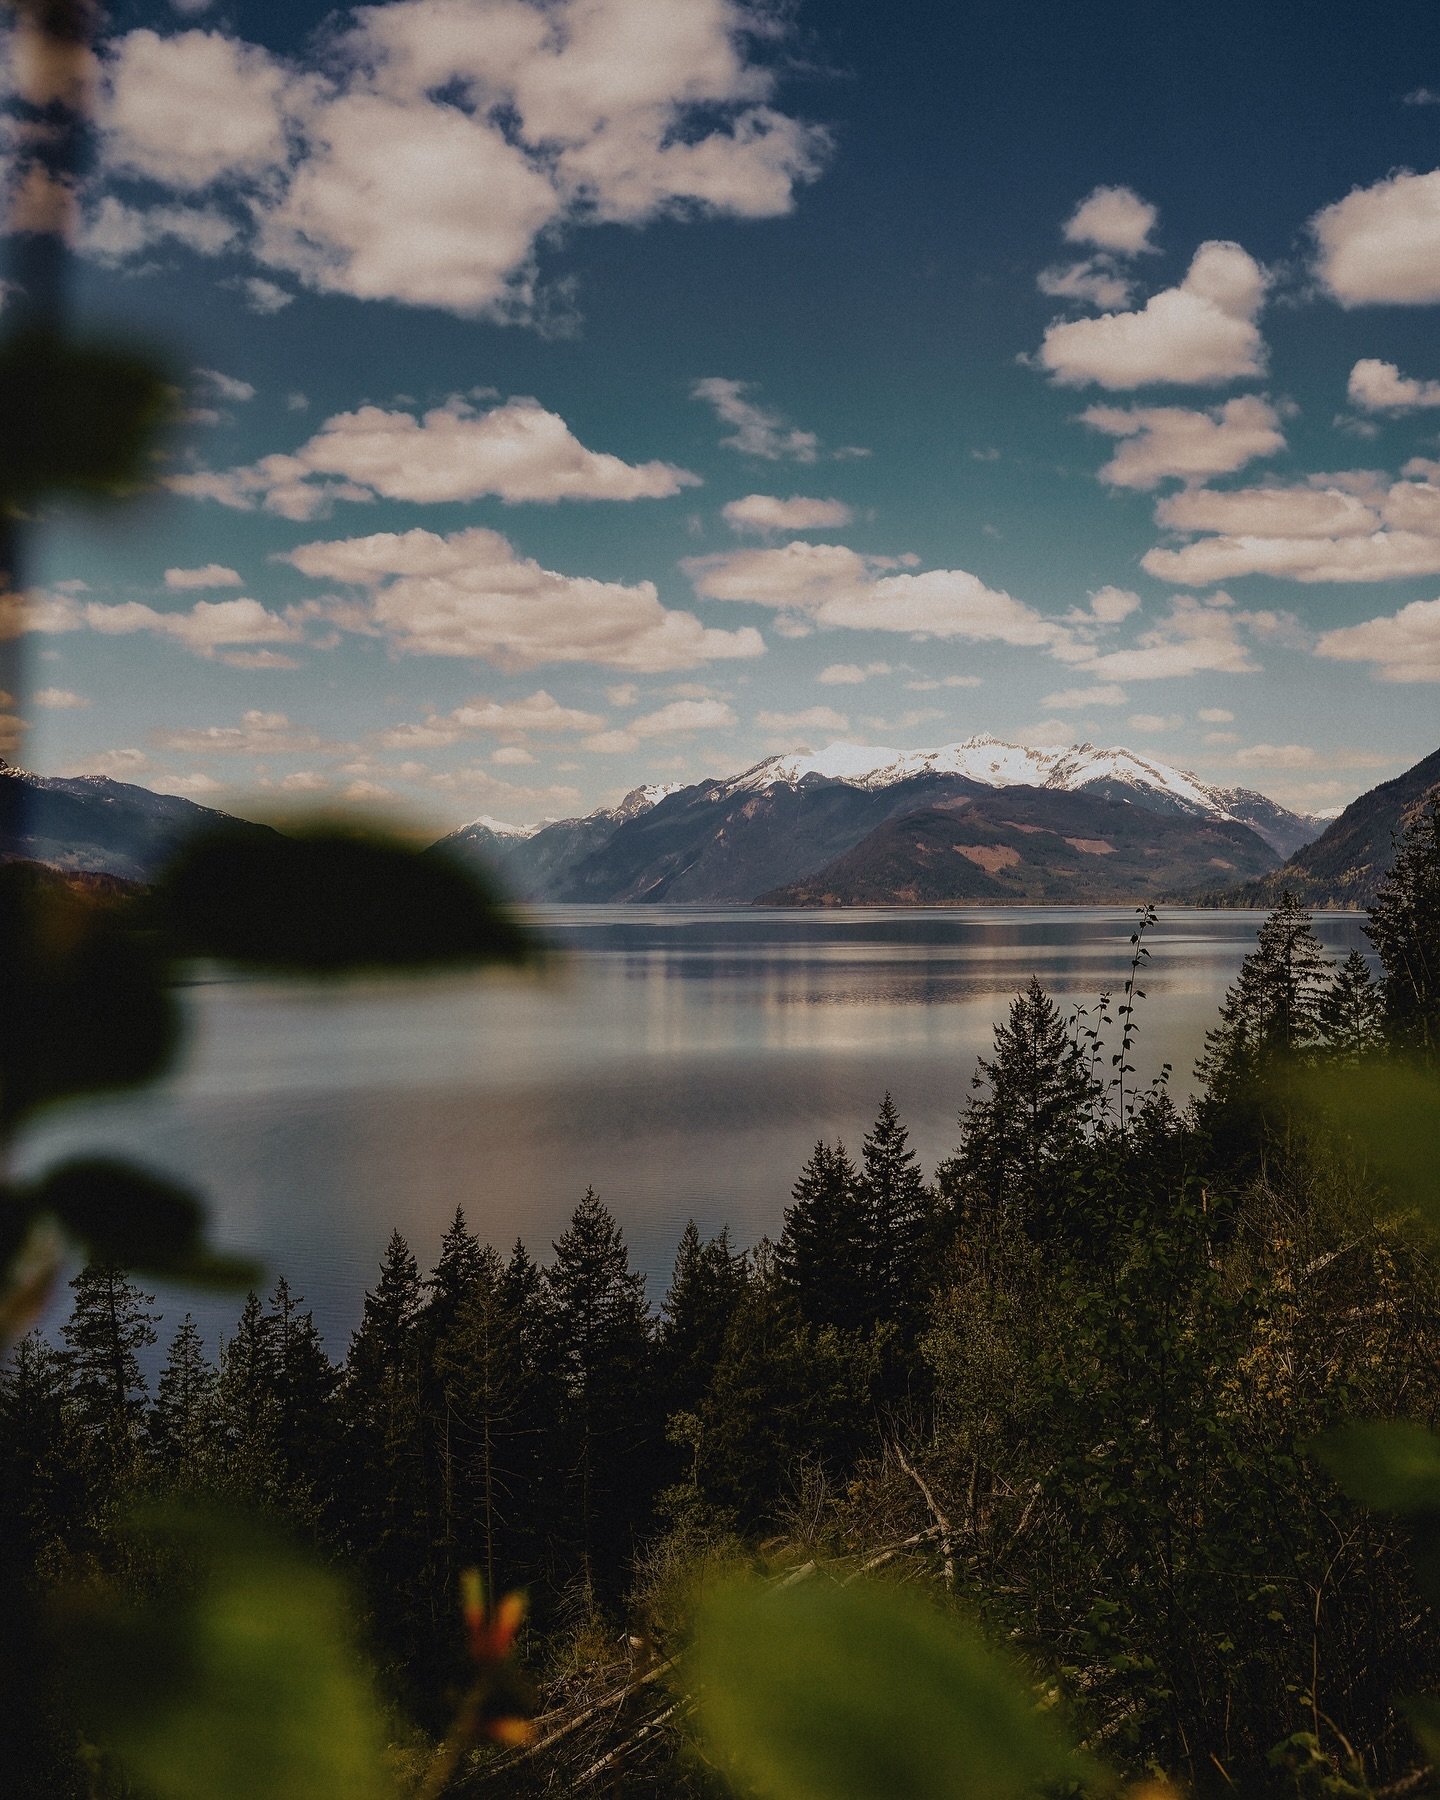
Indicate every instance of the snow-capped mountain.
{"type": "Point", "coordinates": [988, 760]}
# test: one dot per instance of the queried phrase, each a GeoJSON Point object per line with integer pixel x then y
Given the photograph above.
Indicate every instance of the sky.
{"type": "Point", "coordinates": [585, 393]}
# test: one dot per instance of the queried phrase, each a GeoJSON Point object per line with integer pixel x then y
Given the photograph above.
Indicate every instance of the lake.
{"type": "Point", "coordinates": [682, 1060]}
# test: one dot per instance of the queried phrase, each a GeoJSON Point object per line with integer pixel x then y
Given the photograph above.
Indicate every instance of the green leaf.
{"type": "Point", "coordinates": [248, 1684]}
{"type": "Point", "coordinates": [87, 1007]}
{"type": "Point", "coordinates": [329, 901]}
{"type": "Point", "coordinates": [76, 417]}
{"type": "Point", "coordinates": [128, 1216]}
{"type": "Point", "coordinates": [1391, 1113]}
{"type": "Point", "coordinates": [820, 1692]}
{"type": "Point", "coordinates": [1390, 1467]}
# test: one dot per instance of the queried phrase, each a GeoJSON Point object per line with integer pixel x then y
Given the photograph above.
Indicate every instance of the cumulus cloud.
{"type": "Point", "coordinates": [1161, 442]}
{"type": "Point", "coordinates": [115, 232]}
{"type": "Point", "coordinates": [850, 674]}
{"type": "Point", "coordinates": [538, 714]}
{"type": "Point", "coordinates": [211, 628]}
{"type": "Point", "coordinates": [1113, 218]}
{"type": "Point", "coordinates": [213, 575]}
{"type": "Point", "coordinates": [1215, 715]}
{"type": "Point", "coordinates": [431, 143]}
{"type": "Point", "coordinates": [1196, 334]}
{"type": "Point", "coordinates": [759, 430]}
{"type": "Point", "coordinates": [1376, 386]}
{"type": "Point", "coordinates": [1156, 721]}
{"type": "Point", "coordinates": [1193, 638]}
{"type": "Point", "coordinates": [516, 451]}
{"type": "Point", "coordinates": [1095, 282]}
{"type": "Point", "coordinates": [265, 297]}
{"type": "Point", "coordinates": [678, 719]}
{"type": "Point", "coordinates": [224, 387]}
{"type": "Point", "coordinates": [1403, 646]}
{"type": "Point", "coordinates": [54, 699]}
{"type": "Point", "coordinates": [1380, 245]}
{"type": "Point", "coordinates": [830, 585]}
{"type": "Point", "coordinates": [38, 611]}
{"type": "Point", "coordinates": [1105, 694]}
{"type": "Point", "coordinates": [257, 734]}
{"type": "Point", "coordinates": [820, 720]}
{"type": "Point", "coordinates": [766, 512]}
{"type": "Point", "coordinates": [1332, 528]}
{"type": "Point", "coordinates": [470, 595]}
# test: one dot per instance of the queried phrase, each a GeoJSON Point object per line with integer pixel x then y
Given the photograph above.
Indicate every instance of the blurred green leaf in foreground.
{"type": "Point", "coordinates": [824, 1692]}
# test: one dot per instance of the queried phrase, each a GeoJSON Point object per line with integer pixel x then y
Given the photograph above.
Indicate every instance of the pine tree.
{"type": "Point", "coordinates": [1405, 928]}
{"type": "Point", "coordinates": [706, 1287]}
{"type": "Point", "coordinates": [249, 1409]}
{"type": "Point", "coordinates": [303, 1383]}
{"type": "Point", "coordinates": [1352, 1014]}
{"type": "Point", "coordinates": [107, 1329]}
{"type": "Point", "coordinates": [824, 1256]}
{"type": "Point", "coordinates": [43, 1492]}
{"type": "Point", "coordinates": [603, 1351]}
{"type": "Point", "coordinates": [898, 1212]}
{"type": "Point", "coordinates": [1025, 1122]}
{"type": "Point", "coordinates": [184, 1423]}
{"type": "Point", "coordinates": [1273, 1011]}
{"type": "Point", "coordinates": [461, 1266]}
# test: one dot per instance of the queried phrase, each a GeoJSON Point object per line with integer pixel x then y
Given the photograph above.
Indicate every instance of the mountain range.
{"type": "Point", "coordinates": [978, 822]}
{"type": "Point", "coordinates": [854, 824]}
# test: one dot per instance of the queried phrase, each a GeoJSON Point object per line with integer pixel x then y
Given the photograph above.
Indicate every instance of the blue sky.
{"type": "Point", "coordinates": [590, 392]}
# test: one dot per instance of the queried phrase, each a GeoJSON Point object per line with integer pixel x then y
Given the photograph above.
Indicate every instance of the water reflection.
{"type": "Point", "coordinates": [684, 1061]}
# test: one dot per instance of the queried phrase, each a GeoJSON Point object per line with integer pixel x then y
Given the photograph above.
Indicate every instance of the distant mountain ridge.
{"type": "Point", "coordinates": [90, 824]}
{"type": "Point", "coordinates": [1345, 865]}
{"type": "Point", "coordinates": [786, 820]}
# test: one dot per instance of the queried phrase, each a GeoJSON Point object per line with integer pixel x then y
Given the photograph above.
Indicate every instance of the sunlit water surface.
{"type": "Point", "coordinates": [682, 1060]}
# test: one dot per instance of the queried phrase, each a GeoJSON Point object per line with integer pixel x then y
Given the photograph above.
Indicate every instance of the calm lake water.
{"type": "Point", "coordinates": [682, 1060]}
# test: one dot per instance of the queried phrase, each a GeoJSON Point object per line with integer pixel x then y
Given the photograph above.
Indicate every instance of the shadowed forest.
{"type": "Point", "coordinates": [1072, 1385]}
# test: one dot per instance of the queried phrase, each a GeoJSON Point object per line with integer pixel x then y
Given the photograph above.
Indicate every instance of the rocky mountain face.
{"type": "Point", "coordinates": [91, 824]}
{"type": "Point", "coordinates": [1345, 865]}
{"type": "Point", "coordinates": [788, 820]}
{"type": "Point", "coordinates": [1031, 844]}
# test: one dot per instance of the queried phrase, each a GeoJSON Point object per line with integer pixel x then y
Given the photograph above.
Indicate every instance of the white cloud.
{"type": "Point", "coordinates": [1095, 281]}
{"type": "Point", "coordinates": [813, 719]}
{"type": "Point", "coordinates": [511, 756]}
{"type": "Point", "coordinates": [831, 585]}
{"type": "Point", "coordinates": [1333, 528]}
{"type": "Point", "coordinates": [766, 512]}
{"type": "Point", "coordinates": [1109, 605]}
{"type": "Point", "coordinates": [1193, 638]}
{"type": "Point", "coordinates": [1156, 721]}
{"type": "Point", "coordinates": [113, 232]}
{"type": "Point", "coordinates": [1380, 245]}
{"type": "Point", "coordinates": [1164, 441]}
{"type": "Point", "coordinates": [759, 431]}
{"type": "Point", "coordinates": [54, 699]}
{"type": "Point", "coordinates": [187, 109]}
{"type": "Point", "coordinates": [1113, 218]}
{"type": "Point", "coordinates": [677, 719]}
{"type": "Point", "coordinates": [470, 595]}
{"type": "Point", "coordinates": [929, 686]}
{"type": "Point", "coordinates": [1404, 646]}
{"type": "Point", "coordinates": [38, 611]}
{"type": "Point", "coordinates": [1106, 694]}
{"type": "Point", "coordinates": [517, 451]}
{"type": "Point", "coordinates": [1380, 387]}
{"type": "Point", "coordinates": [850, 674]}
{"type": "Point", "coordinates": [213, 575]}
{"type": "Point", "coordinates": [432, 142]}
{"type": "Point", "coordinates": [225, 387]}
{"type": "Point", "coordinates": [1215, 715]}
{"type": "Point", "coordinates": [265, 297]}
{"type": "Point", "coordinates": [539, 713]}
{"type": "Point", "coordinates": [119, 765]}
{"type": "Point", "coordinates": [257, 734]}
{"type": "Point", "coordinates": [211, 628]}
{"type": "Point", "coordinates": [1198, 333]}
{"type": "Point", "coordinates": [1214, 738]}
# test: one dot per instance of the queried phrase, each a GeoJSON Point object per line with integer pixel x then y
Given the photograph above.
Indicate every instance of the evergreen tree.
{"type": "Point", "coordinates": [1405, 928]}
{"type": "Point", "coordinates": [248, 1406]}
{"type": "Point", "coordinates": [1352, 1014]}
{"type": "Point", "coordinates": [461, 1266]}
{"type": "Point", "coordinates": [603, 1353]}
{"type": "Point", "coordinates": [824, 1256]}
{"type": "Point", "coordinates": [303, 1384]}
{"type": "Point", "coordinates": [1024, 1124]}
{"type": "Point", "coordinates": [897, 1210]}
{"type": "Point", "coordinates": [183, 1423]}
{"type": "Point", "coordinates": [107, 1329]}
{"type": "Point", "coordinates": [705, 1289]}
{"type": "Point", "coordinates": [43, 1494]}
